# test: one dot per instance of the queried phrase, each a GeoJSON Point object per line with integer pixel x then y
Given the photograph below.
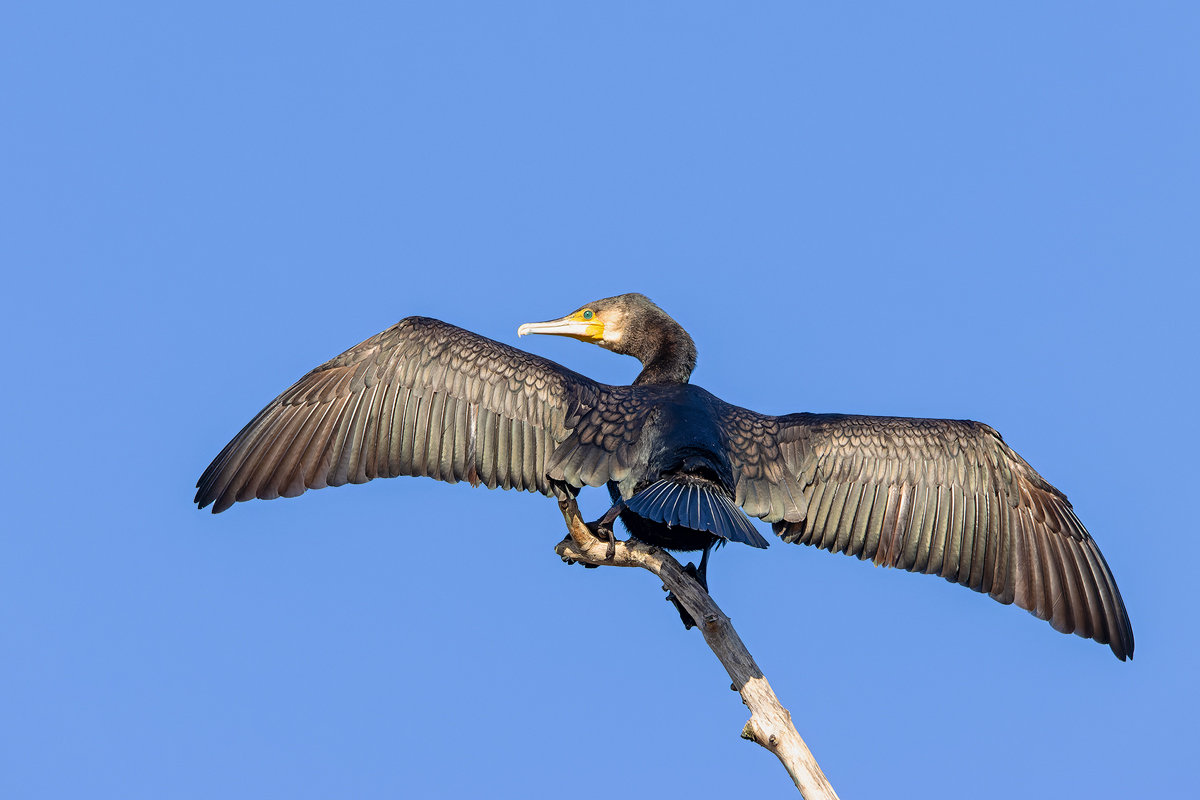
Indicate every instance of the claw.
{"type": "Point", "coordinates": [688, 622]}
{"type": "Point", "coordinates": [698, 574]}
{"type": "Point", "coordinates": [603, 529]}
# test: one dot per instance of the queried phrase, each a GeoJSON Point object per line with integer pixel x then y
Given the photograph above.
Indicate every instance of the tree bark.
{"type": "Point", "coordinates": [770, 724]}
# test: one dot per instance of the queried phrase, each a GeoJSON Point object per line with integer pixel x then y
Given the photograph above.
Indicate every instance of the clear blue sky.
{"type": "Point", "coordinates": [985, 211]}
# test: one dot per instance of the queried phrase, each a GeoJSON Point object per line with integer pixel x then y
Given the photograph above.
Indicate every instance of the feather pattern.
{"type": "Point", "coordinates": [425, 398]}
{"type": "Point", "coordinates": [943, 497]}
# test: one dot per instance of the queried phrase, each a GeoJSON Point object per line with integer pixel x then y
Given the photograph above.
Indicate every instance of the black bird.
{"type": "Point", "coordinates": [944, 497]}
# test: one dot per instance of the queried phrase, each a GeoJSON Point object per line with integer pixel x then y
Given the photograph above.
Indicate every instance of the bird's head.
{"type": "Point", "coordinates": [602, 322]}
{"type": "Point", "coordinates": [629, 324]}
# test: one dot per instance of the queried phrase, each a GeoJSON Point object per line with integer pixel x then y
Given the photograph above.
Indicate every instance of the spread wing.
{"type": "Point", "coordinates": [422, 398]}
{"type": "Point", "coordinates": [942, 497]}
{"type": "Point", "coordinates": [606, 444]}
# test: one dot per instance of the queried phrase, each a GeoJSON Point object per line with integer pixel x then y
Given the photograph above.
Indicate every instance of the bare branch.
{"type": "Point", "coordinates": [770, 724]}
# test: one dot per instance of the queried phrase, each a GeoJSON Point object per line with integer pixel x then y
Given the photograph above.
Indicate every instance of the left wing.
{"type": "Point", "coordinates": [942, 497]}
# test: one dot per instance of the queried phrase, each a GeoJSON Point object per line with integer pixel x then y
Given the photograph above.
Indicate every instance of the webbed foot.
{"type": "Point", "coordinates": [605, 534]}
{"type": "Point", "coordinates": [700, 574]}
{"type": "Point", "coordinates": [602, 529]}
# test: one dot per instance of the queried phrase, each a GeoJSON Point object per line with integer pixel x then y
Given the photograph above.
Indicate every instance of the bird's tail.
{"type": "Point", "coordinates": [696, 507]}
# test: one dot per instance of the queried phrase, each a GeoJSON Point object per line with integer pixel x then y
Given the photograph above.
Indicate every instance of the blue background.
{"type": "Point", "coordinates": [923, 209]}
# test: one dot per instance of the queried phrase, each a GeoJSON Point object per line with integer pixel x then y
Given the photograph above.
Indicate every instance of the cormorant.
{"type": "Point", "coordinates": [944, 497]}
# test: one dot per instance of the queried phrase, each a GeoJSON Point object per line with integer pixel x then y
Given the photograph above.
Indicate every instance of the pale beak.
{"type": "Point", "coordinates": [588, 331]}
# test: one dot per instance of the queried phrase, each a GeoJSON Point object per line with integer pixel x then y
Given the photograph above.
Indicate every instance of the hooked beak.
{"type": "Point", "coordinates": [584, 330]}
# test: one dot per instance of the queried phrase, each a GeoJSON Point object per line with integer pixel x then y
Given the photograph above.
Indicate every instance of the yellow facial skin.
{"type": "Point", "coordinates": [584, 325]}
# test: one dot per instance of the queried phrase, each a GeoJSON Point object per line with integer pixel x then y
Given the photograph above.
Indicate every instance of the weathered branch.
{"type": "Point", "coordinates": [770, 724]}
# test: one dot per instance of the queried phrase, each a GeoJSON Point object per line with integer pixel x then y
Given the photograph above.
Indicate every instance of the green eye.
{"type": "Point", "coordinates": [588, 314]}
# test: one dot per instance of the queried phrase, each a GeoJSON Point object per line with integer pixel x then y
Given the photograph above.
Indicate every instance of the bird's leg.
{"type": "Point", "coordinates": [700, 575]}
{"type": "Point", "coordinates": [565, 494]}
{"type": "Point", "coordinates": [603, 529]}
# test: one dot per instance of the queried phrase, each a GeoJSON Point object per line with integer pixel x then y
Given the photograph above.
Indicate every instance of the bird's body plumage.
{"type": "Point", "coordinates": [426, 398]}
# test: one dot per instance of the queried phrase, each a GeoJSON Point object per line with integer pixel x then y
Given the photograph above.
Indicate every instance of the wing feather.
{"type": "Point", "coordinates": [422, 398]}
{"type": "Point", "coordinates": [942, 497]}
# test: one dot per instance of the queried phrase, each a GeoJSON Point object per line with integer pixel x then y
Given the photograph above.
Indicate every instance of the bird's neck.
{"type": "Point", "coordinates": [669, 358]}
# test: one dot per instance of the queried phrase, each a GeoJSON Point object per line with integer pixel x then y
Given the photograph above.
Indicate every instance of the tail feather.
{"type": "Point", "coordinates": [695, 507]}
